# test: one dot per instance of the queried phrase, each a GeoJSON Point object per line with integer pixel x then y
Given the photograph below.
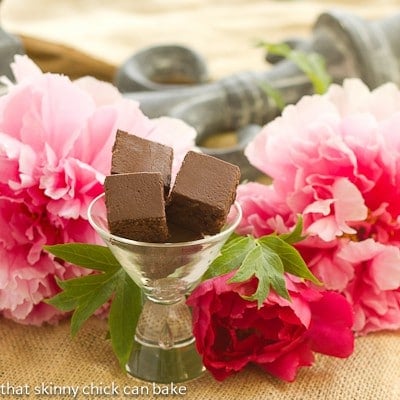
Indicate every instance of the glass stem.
{"type": "Point", "coordinates": [165, 325]}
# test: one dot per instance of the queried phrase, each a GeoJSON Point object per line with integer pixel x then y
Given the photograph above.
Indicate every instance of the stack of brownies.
{"type": "Point", "coordinates": [141, 204]}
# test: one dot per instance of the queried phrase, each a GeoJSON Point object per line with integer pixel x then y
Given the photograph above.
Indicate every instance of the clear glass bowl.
{"type": "Point", "coordinates": [164, 347]}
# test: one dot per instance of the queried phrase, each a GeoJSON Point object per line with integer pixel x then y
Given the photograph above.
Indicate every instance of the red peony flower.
{"type": "Point", "coordinates": [280, 337]}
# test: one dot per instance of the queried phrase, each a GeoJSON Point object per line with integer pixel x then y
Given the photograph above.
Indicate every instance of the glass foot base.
{"type": "Point", "coordinates": [158, 365]}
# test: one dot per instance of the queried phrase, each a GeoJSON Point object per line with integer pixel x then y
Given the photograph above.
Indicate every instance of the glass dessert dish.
{"type": "Point", "coordinates": [164, 348]}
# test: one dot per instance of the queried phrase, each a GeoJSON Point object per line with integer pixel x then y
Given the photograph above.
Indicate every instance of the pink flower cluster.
{"type": "Point", "coordinates": [335, 159]}
{"type": "Point", "coordinates": [55, 149]}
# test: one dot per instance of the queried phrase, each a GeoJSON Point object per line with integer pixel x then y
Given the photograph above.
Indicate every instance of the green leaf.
{"type": "Point", "coordinates": [311, 63]}
{"type": "Point", "coordinates": [267, 267]}
{"type": "Point", "coordinates": [63, 301]}
{"type": "Point", "coordinates": [85, 255]}
{"type": "Point", "coordinates": [279, 49]}
{"type": "Point", "coordinates": [296, 235]}
{"type": "Point", "coordinates": [275, 271]}
{"type": "Point", "coordinates": [292, 261]}
{"type": "Point", "coordinates": [124, 313]}
{"type": "Point", "coordinates": [89, 305]}
{"type": "Point", "coordinates": [232, 255]}
{"type": "Point", "coordinates": [267, 258]}
{"type": "Point", "coordinates": [85, 295]}
{"type": "Point", "coordinates": [253, 265]}
{"type": "Point", "coordinates": [75, 291]}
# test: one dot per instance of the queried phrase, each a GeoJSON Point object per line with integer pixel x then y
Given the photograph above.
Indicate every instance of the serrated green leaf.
{"type": "Point", "coordinates": [267, 267]}
{"type": "Point", "coordinates": [85, 255]}
{"type": "Point", "coordinates": [85, 295]}
{"type": "Point", "coordinates": [275, 271]}
{"type": "Point", "coordinates": [295, 235]}
{"type": "Point", "coordinates": [63, 301]}
{"type": "Point", "coordinates": [76, 290]}
{"type": "Point", "coordinates": [252, 262]}
{"type": "Point", "coordinates": [292, 261]}
{"type": "Point", "coordinates": [232, 255]}
{"type": "Point", "coordinates": [254, 265]}
{"type": "Point", "coordinates": [124, 313]}
{"type": "Point", "coordinates": [96, 296]}
{"type": "Point", "coordinates": [80, 286]}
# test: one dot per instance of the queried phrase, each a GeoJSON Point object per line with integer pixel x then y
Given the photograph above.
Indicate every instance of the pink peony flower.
{"type": "Point", "coordinates": [55, 149]}
{"type": "Point", "coordinates": [335, 159]}
{"type": "Point", "coordinates": [263, 210]}
{"type": "Point", "coordinates": [280, 337]}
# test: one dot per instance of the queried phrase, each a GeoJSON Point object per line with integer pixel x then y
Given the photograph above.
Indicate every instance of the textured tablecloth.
{"type": "Point", "coordinates": [47, 357]}
{"type": "Point", "coordinates": [79, 37]}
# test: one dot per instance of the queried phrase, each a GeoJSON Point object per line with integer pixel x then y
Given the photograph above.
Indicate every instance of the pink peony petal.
{"type": "Point", "coordinates": [358, 252]}
{"type": "Point", "coordinates": [320, 206]}
{"type": "Point", "coordinates": [24, 68]}
{"type": "Point", "coordinates": [326, 228]}
{"type": "Point", "coordinates": [385, 269]}
{"type": "Point", "coordinates": [349, 205]}
{"type": "Point", "coordinates": [103, 93]}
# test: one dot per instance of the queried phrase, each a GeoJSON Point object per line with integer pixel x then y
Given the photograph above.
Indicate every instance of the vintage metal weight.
{"type": "Point", "coordinates": [351, 46]}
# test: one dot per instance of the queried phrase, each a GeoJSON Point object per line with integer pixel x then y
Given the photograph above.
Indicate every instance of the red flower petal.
{"type": "Point", "coordinates": [331, 326]}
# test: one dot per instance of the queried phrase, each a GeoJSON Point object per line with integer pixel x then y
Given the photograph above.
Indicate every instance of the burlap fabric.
{"type": "Point", "coordinates": [46, 358]}
{"type": "Point", "coordinates": [86, 37]}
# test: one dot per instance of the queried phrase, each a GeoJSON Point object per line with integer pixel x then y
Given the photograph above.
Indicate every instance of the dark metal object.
{"type": "Point", "coordinates": [351, 46]}
{"type": "Point", "coordinates": [162, 67]}
{"type": "Point", "coordinates": [235, 154]}
{"type": "Point", "coordinates": [10, 45]}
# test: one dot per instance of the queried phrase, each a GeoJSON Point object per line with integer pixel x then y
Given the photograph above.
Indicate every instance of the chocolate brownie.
{"type": "Point", "coordinates": [136, 206]}
{"type": "Point", "coordinates": [178, 234]}
{"type": "Point", "coordinates": [131, 153]}
{"type": "Point", "coordinates": [203, 193]}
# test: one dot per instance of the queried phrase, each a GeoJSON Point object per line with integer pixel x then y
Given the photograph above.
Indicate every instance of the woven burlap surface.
{"type": "Point", "coordinates": [43, 359]}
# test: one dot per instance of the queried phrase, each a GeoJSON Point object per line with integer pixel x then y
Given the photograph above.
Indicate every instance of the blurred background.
{"type": "Point", "coordinates": [101, 38]}
{"type": "Point", "coordinates": [223, 31]}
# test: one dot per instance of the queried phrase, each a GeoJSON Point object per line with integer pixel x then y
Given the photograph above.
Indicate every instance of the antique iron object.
{"type": "Point", "coordinates": [351, 46]}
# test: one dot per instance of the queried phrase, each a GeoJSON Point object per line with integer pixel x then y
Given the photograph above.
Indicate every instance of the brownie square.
{"type": "Point", "coordinates": [203, 193]}
{"type": "Point", "coordinates": [131, 153]}
{"type": "Point", "coordinates": [178, 234]}
{"type": "Point", "coordinates": [136, 206]}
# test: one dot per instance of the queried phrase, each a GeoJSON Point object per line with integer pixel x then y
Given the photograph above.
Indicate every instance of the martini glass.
{"type": "Point", "coordinates": [164, 348]}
